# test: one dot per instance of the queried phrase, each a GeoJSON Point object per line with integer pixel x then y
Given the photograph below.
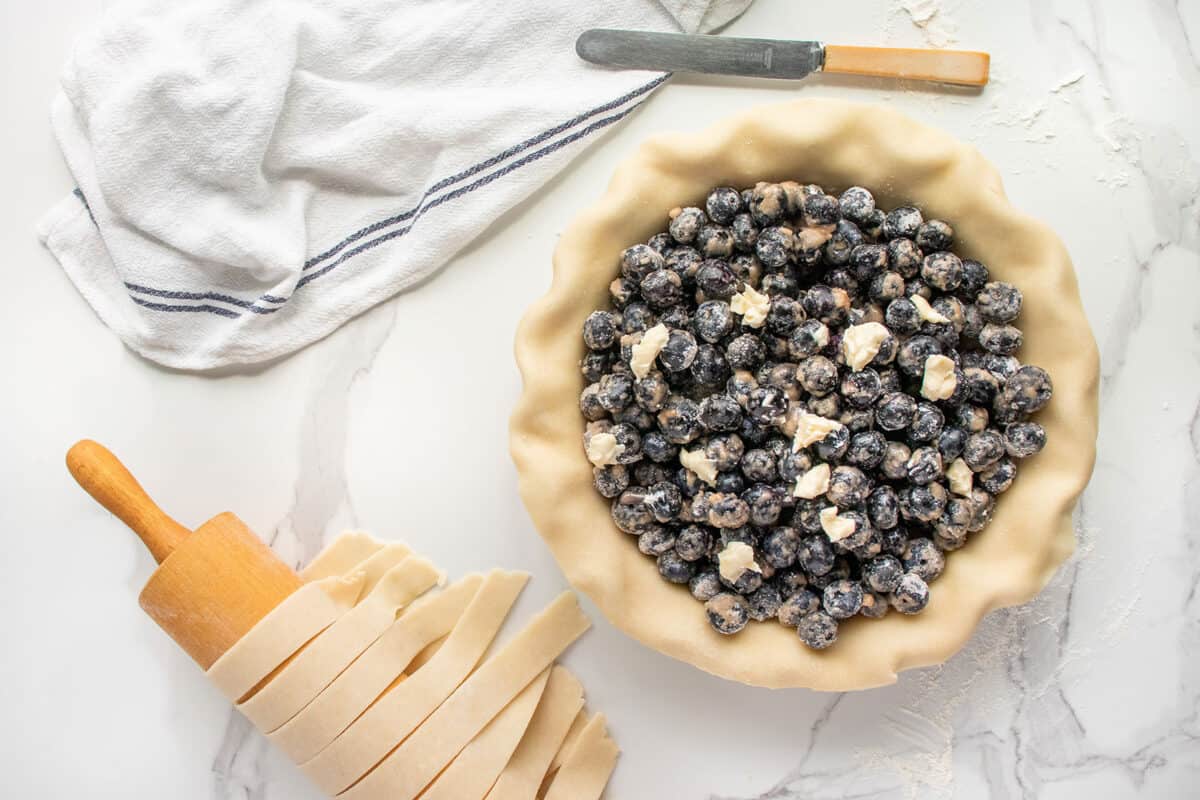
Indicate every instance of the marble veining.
{"type": "Point", "coordinates": [396, 423]}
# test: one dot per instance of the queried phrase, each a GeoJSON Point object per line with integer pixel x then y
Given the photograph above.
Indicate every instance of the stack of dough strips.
{"type": "Point", "coordinates": [380, 688]}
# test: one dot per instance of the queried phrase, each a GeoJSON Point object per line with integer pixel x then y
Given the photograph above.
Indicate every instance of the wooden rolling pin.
{"type": "Point", "coordinates": [211, 585]}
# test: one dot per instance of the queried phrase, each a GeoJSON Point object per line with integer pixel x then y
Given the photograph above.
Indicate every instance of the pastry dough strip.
{"type": "Point", "coordinates": [337, 646]}
{"type": "Point", "coordinates": [524, 772]}
{"type": "Point", "coordinates": [395, 715]}
{"type": "Point", "coordinates": [473, 771]}
{"type": "Point", "coordinates": [426, 621]}
{"type": "Point", "coordinates": [587, 768]}
{"type": "Point", "coordinates": [341, 555]}
{"type": "Point", "coordinates": [419, 759]}
{"type": "Point", "coordinates": [288, 627]}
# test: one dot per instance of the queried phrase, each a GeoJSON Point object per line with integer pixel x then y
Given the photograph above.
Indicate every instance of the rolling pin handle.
{"type": "Point", "coordinates": [107, 480]}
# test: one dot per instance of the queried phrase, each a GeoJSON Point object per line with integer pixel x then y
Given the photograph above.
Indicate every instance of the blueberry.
{"type": "Point", "coordinates": [710, 367]}
{"type": "Point", "coordinates": [886, 287]}
{"type": "Point", "coordinates": [808, 339]}
{"type": "Point", "coordinates": [998, 477]}
{"type": "Point", "coordinates": [662, 288]}
{"type": "Point", "coordinates": [866, 449]}
{"type": "Point", "coordinates": [595, 364]}
{"type": "Point", "coordinates": [1002, 339]}
{"type": "Point", "coordinates": [999, 302]}
{"type": "Point", "coordinates": [679, 351]}
{"type": "Point", "coordinates": [818, 630]}
{"type": "Point", "coordinates": [821, 209]}
{"type": "Point", "coordinates": [630, 512]}
{"type": "Point", "coordinates": [983, 449]}
{"type": "Point", "coordinates": [883, 573]}
{"type": "Point", "coordinates": [693, 542]}
{"type": "Point", "coordinates": [828, 304]}
{"type": "Point", "coordinates": [590, 405]}
{"type": "Point", "coordinates": [684, 262]}
{"type": "Point", "coordinates": [651, 391]}
{"type": "Point", "coordinates": [923, 503]}
{"type": "Point", "coordinates": [600, 330]}
{"type": "Point", "coordinates": [975, 276]}
{"type": "Point", "coordinates": [639, 261]}
{"type": "Point", "coordinates": [779, 547]}
{"type": "Point", "coordinates": [934, 235]}
{"type": "Point", "coordinates": [815, 554]}
{"type": "Point", "coordinates": [818, 375]}
{"type": "Point", "coordinates": [616, 391]}
{"type": "Point", "coordinates": [842, 599]}
{"type": "Point", "coordinates": [747, 268]}
{"type": "Point", "coordinates": [834, 446]}
{"type": "Point", "coordinates": [875, 605]}
{"type": "Point", "coordinates": [911, 595]}
{"type": "Point", "coordinates": [716, 279]}
{"type": "Point", "coordinates": [785, 314]}
{"type": "Point", "coordinates": [1024, 439]}
{"type": "Point", "coordinates": [723, 204]}
{"type": "Point", "coordinates": [664, 501]}
{"type": "Point", "coordinates": [950, 443]}
{"type": "Point", "coordinates": [705, 585]}
{"type": "Point", "coordinates": [923, 559]}
{"type": "Point", "coordinates": [725, 450]}
{"type": "Point", "coordinates": [846, 237]}
{"type": "Point", "coordinates": [637, 318]}
{"type": "Point", "coordinates": [893, 540]}
{"type": "Point", "coordinates": [745, 233]}
{"type": "Point", "coordinates": [610, 481]}
{"type": "Point", "coordinates": [647, 473]}
{"type": "Point", "coordinates": [768, 204]}
{"type": "Point", "coordinates": [983, 505]}
{"type": "Point", "coordinates": [848, 487]}
{"type": "Point", "coordinates": [925, 465]}
{"type": "Point", "coordinates": [728, 511]}
{"type": "Point", "coordinates": [686, 224]}
{"type": "Point", "coordinates": [927, 423]}
{"type": "Point", "coordinates": [872, 226]}
{"type": "Point", "coordinates": [630, 439]}
{"type": "Point", "coordinates": [656, 541]}
{"type": "Point", "coordinates": [971, 419]}
{"type": "Point", "coordinates": [774, 246]}
{"type": "Point", "coordinates": [714, 241]}
{"type": "Point", "coordinates": [764, 602]}
{"type": "Point", "coordinates": [829, 406]}
{"type": "Point", "coordinates": [797, 606]}
{"type": "Point", "coordinates": [857, 204]}
{"type": "Point", "coordinates": [902, 316]}
{"type": "Point", "coordinates": [767, 404]}
{"type": "Point", "coordinates": [658, 448]}
{"type": "Point", "coordinates": [905, 257]}
{"type": "Point", "coordinates": [942, 270]}
{"type": "Point", "coordinates": [857, 420]}
{"type": "Point", "coordinates": [779, 284]}
{"type": "Point", "coordinates": [883, 507]}
{"type": "Point", "coordinates": [895, 411]}
{"type": "Point", "coordinates": [904, 221]}
{"type": "Point", "coordinates": [636, 416]}
{"type": "Point", "coordinates": [861, 389]}
{"type": "Point", "coordinates": [713, 320]}
{"type": "Point", "coordinates": [727, 612]}
{"type": "Point", "coordinates": [979, 386]}
{"type": "Point", "coordinates": [622, 291]}
{"type": "Point", "coordinates": [746, 352]}
{"type": "Point", "coordinates": [790, 580]}
{"type": "Point", "coordinates": [730, 483]}
{"type": "Point", "coordinates": [679, 419]}
{"type": "Point", "coordinates": [674, 569]}
{"type": "Point", "coordinates": [661, 243]}
{"type": "Point", "coordinates": [912, 354]}
{"type": "Point", "coordinates": [765, 504]}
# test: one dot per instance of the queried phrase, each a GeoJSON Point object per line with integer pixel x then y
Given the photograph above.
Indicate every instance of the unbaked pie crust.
{"type": "Point", "coordinates": [836, 144]}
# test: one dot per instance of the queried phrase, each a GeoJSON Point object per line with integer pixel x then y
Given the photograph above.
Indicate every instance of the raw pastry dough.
{"type": "Point", "coordinates": [401, 710]}
{"type": "Point", "coordinates": [429, 619]}
{"type": "Point", "coordinates": [281, 633]}
{"type": "Point", "coordinates": [473, 771]}
{"type": "Point", "coordinates": [335, 648]}
{"type": "Point", "coordinates": [573, 733]}
{"type": "Point", "coordinates": [547, 731]}
{"type": "Point", "coordinates": [342, 555]}
{"type": "Point", "coordinates": [587, 767]}
{"type": "Point", "coordinates": [419, 759]}
{"type": "Point", "coordinates": [823, 141]}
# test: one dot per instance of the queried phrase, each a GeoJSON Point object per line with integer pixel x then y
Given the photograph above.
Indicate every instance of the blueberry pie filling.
{"type": "Point", "coordinates": [799, 404]}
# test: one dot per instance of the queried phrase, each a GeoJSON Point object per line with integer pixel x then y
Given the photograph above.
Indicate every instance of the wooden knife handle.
{"type": "Point", "coordinates": [105, 478]}
{"type": "Point", "coordinates": [964, 67]}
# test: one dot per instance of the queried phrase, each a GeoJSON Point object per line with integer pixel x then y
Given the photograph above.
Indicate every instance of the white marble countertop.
{"type": "Point", "coordinates": [1092, 690]}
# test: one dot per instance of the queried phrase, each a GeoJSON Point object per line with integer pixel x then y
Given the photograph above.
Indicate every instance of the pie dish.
{"type": "Point", "coordinates": [837, 144]}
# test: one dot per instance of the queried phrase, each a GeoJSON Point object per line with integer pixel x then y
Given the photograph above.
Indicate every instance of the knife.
{"type": "Point", "coordinates": [776, 58]}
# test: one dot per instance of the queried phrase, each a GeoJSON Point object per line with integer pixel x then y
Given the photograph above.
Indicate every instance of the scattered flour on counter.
{"type": "Point", "coordinates": [930, 18]}
{"type": "Point", "coordinates": [1068, 80]}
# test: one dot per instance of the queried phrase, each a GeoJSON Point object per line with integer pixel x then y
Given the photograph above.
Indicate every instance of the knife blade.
{"type": "Point", "coordinates": [717, 55]}
{"type": "Point", "coordinates": [776, 58]}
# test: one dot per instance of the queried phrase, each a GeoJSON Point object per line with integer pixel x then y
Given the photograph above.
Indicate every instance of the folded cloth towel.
{"type": "Point", "coordinates": [253, 174]}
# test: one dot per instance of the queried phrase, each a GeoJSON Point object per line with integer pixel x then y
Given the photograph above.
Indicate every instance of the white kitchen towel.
{"type": "Point", "coordinates": [253, 173]}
